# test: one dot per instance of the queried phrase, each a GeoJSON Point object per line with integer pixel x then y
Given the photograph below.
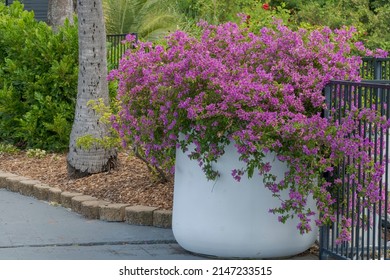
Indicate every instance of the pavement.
{"type": "Point", "coordinates": [32, 229]}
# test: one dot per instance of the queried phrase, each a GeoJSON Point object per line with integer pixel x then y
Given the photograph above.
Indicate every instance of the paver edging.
{"type": "Point", "coordinates": [140, 215]}
{"type": "Point", "coordinates": [78, 200]}
{"type": "Point", "coordinates": [54, 195]}
{"type": "Point", "coordinates": [162, 218]}
{"type": "Point", "coordinates": [13, 183]}
{"type": "Point", "coordinates": [113, 212]}
{"type": "Point", "coordinates": [66, 198]}
{"type": "Point", "coordinates": [40, 191]}
{"type": "Point", "coordinates": [88, 206]}
{"type": "Point", "coordinates": [3, 178]}
{"type": "Point", "coordinates": [26, 187]}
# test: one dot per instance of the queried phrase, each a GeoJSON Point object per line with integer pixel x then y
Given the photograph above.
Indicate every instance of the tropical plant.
{"type": "Point", "coordinates": [212, 11]}
{"type": "Point", "coordinates": [370, 17]}
{"type": "Point", "coordinates": [260, 15]}
{"type": "Point", "coordinates": [380, 28]}
{"type": "Point", "coordinates": [151, 19]}
{"type": "Point", "coordinates": [215, 12]}
{"type": "Point", "coordinates": [261, 92]}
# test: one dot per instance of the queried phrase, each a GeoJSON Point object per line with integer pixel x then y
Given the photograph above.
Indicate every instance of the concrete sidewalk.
{"type": "Point", "coordinates": [31, 229]}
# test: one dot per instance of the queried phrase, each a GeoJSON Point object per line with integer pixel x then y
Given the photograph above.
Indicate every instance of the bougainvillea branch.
{"type": "Point", "coordinates": [261, 91]}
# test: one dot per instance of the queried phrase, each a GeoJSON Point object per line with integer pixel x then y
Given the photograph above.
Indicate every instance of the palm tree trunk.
{"type": "Point", "coordinates": [58, 11]}
{"type": "Point", "coordinates": [92, 85]}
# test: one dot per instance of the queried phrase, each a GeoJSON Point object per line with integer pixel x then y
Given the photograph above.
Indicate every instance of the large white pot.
{"type": "Point", "coordinates": [230, 219]}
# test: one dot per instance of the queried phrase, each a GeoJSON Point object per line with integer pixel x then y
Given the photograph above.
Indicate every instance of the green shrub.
{"type": "Point", "coordinates": [8, 149]}
{"type": "Point", "coordinates": [38, 80]}
{"type": "Point", "coordinates": [35, 153]}
{"type": "Point", "coordinates": [370, 18]}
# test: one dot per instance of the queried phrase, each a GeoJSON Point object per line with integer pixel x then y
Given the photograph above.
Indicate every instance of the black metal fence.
{"type": "Point", "coordinates": [116, 49]}
{"type": "Point", "coordinates": [375, 68]}
{"type": "Point", "coordinates": [370, 235]}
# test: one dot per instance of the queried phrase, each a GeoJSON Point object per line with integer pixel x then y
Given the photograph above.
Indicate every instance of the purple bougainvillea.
{"type": "Point", "coordinates": [261, 91]}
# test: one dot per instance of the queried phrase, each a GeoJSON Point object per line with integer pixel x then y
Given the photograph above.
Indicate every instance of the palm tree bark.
{"type": "Point", "coordinates": [92, 85]}
{"type": "Point", "coordinates": [58, 11]}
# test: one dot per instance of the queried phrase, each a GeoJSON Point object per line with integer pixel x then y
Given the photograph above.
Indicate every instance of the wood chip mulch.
{"type": "Point", "coordinates": [131, 182]}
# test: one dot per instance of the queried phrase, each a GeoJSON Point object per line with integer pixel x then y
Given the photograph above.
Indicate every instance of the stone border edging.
{"type": "Point", "coordinates": [88, 206]}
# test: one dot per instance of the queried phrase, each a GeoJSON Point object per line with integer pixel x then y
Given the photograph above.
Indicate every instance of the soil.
{"type": "Point", "coordinates": [130, 183]}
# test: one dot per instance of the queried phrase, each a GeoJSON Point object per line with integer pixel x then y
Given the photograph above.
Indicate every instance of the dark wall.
{"type": "Point", "coordinates": [38, 6]}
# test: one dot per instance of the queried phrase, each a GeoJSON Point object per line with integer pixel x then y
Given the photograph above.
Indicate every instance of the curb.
{"type": "Point", "coordinates": [88, 206]}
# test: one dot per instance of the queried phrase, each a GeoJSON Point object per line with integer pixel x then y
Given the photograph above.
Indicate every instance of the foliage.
{"type": "Point", "coordinates": [112, 141]}
{"type": "Point", "coordinates": [212, 11]}
{"type": "Point", "coordinates": [262, 92]}
{"type": "Point", "coordinates": [260, 15]}
{"type": "Point", "coordinates": [8, 149]}
{"type": "Point", "coordinates": [38, 80]}
{"type": "Point", "coordinates": [151, 19]}
{"type": "Point", "coordinates": [380, 31]}
{"type": "Point", "coordinates": [154, 19]}
{"type": "Point", "coordinates": [35, 153]}
{"type": "Point", "coordinates": [370, 17]}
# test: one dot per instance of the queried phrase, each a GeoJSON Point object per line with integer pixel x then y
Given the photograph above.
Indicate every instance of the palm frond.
{"type": "Point", "coordinates": [144, 17]}
{"type": "Point", "coordinates": [156, 27]}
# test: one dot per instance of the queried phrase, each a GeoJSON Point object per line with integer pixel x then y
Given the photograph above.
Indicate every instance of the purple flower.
{"type": "Point", "coordinates": [264, 93]}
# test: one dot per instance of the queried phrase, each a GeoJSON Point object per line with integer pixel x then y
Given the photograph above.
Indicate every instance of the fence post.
{"type": "Point", "coordinates": [377, 69]}
{"type": "Point", "coordinates": [324, 241]}
{"type": "Point", "coordinates": [327, 101]}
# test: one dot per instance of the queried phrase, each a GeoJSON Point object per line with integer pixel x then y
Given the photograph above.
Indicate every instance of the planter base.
{"type": "Point", "coordinates": [230, 219]}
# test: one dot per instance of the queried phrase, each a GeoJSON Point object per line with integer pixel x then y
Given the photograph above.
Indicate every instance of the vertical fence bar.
{"type": "Point", "coordinates": [382, 112]}
{"type": "Point", "coordinates": [360, 179]}
{"type": "Point", "coordinates": [386, 220]}
{"type": "Point", "coordinates": [374, 210]}
{"type": "Point", "coordinates": [370, 101]}
{"type": "Point", "coordinates": [377, 69]}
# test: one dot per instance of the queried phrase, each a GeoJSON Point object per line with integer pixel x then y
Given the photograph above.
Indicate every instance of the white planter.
{"type": "Point", "coordinates": [228, 219]}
